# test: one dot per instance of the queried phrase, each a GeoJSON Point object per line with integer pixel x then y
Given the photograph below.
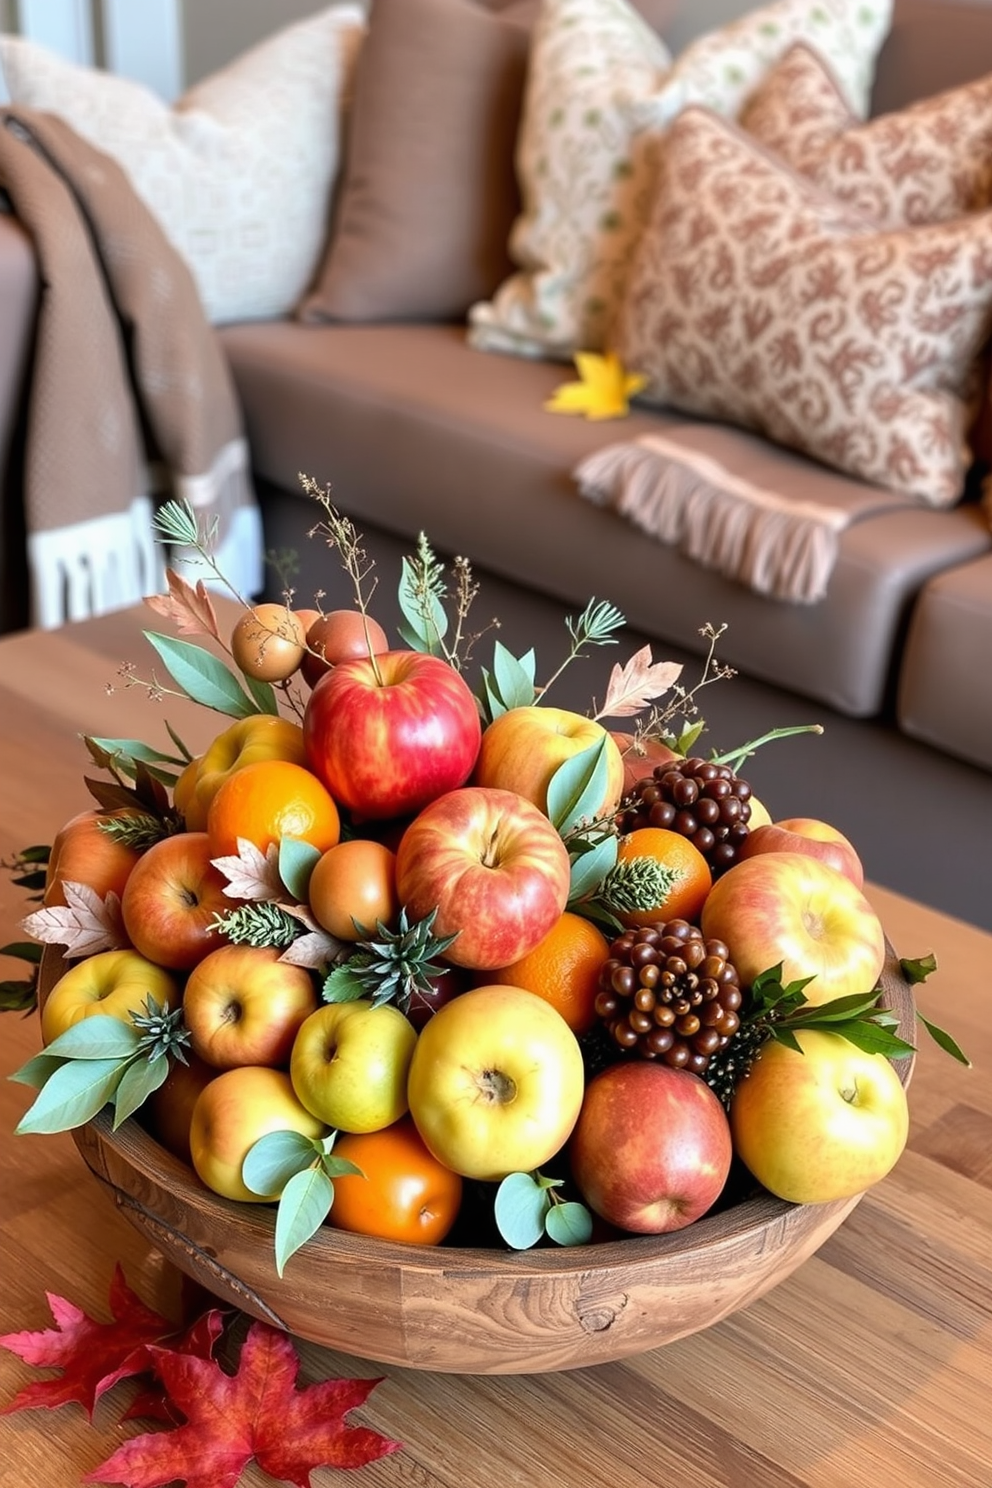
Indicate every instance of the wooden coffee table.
{"type": "Point", "coordinates": [871, 1365]}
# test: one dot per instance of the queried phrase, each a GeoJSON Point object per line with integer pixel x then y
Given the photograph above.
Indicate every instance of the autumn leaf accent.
{"type": "Point", "coordinates": [633, 686]}
{"type": "Point", "coordinates": [199, 1339]}
{"type": "Point", "coordinates": [84, 925]}
{"type": "Point", "coordinates": [603, 392]}
{"type": "Point", "coordinates": [92, 1356]}
{"type": "Point", "coordinates": [189, 608]}
{"type": "Point", "coordinates": [250, 873]}
{"type": "Point", "coordinates": [256, 1414]}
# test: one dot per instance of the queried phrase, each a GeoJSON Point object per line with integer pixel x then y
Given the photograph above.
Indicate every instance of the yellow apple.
{"type": "Point", "coordinates": [349, 1064]}
{"type": "Point", "coordinates": [808, 835]}
{"type": "Point", "coordinates": [114, 982]}
{"type": "Point", "coordinates": [789, 907]}
{"type": "Point", "coordinates": [824, 1124]}
{"type": "Point", "coordinates": [523, 748]}
{"type": "Point", "coordinates": [230, 1115]}
{"type": "Point", "coordinates": [262, 736]}
{"type": "Point", "coordinates": [496, 1082]}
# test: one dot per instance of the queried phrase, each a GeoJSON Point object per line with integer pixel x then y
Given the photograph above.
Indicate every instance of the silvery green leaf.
{"type": "Point", "coordinates": [520, 1208]}
{"type": "Point", "coordinates": [423, 613]}
{"type": "Point", "coordinates": [490, 703]}
{"type": "Point", "coordinates": [578, 786]}
{"type": "Point", "coordinates": [38, 1070]}
{"type": "Point", "coordinates": [99, 1036]}
{"type": "Point", "coordinates": [337, 1167]}
{"type": "Point", "coordinates": [275, 1158]}
{"type": "Point", "coordinates": [202, 676]}
{"type": "Point", "coordinates": [263, 693]}
{"type": "Point", "coordinates": [72, 1095]}
{"type": "Point", "coordinates": [569, 1224]}
{"type": "Point", "coordinates": [138, 1081]}
{"type": "Point", "coordinates": [134, 749]}
{"type": "Point", "coordinates": [590, 868]}
{"type": "Point", "coordinates": [297, 860]}
{"type": "Point", "coordinates": [514, 676]}
{"type": "Point", "coordinates": [305, 1204]}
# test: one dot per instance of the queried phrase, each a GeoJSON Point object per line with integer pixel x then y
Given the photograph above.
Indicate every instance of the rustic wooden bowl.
{"type": "Point", "coordinates": [457, 1309]}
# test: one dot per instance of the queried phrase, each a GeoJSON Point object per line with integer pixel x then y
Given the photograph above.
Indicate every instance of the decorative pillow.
{"type": "Point", "coordinates": [926, 163]}
{"type": "Point", "coordinates": [759, 299]}
{"type": "Point", "coordinates": [239, 170]}
{"type": "Point", "coordinates": [428, 192]}
{"type": "Point", "coordinates": [601, 90]}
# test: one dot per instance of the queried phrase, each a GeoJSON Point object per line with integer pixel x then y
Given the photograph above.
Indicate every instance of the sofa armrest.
{"type": "Point", "coordinates": [19, 292]}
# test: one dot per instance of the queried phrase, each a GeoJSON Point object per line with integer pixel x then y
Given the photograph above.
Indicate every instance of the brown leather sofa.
{"type": "Point", "coordinates": [414, 430]}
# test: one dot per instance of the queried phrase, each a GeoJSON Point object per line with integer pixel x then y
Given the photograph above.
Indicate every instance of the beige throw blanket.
{"type": "Point", "coordinates": [130, 390]}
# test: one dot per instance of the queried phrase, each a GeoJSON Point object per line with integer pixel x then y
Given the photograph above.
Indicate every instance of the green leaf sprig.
{"type": "Point", "coordinates": [299, 1172]}
{"type": "Point", "coordinates": [782, 1009]}
{"type": "Point", "coordinates": [392, 965]}
{"type": "Point", "coordinates": [28, 870]}
{"type": "Point", "coordinates": [101, 1060]}
{"type": "Point", "coordinates": [527, 1207]}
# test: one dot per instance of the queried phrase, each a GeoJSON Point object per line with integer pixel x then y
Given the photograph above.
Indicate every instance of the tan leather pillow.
{"type": "Point", "coordinates": [428, 193]}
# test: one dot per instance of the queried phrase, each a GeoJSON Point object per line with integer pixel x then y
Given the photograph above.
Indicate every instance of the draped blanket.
{"type": "Point", "coordinates": [131, 401]}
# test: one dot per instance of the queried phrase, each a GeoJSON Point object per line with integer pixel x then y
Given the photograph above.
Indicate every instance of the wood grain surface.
{"type": "Point", "coordinates": [870, 1365]}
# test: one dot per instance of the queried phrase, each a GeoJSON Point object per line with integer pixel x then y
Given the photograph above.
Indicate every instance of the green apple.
{"type": "Point", "coordinates": [349, 1064]}
{"type": "Point", "coordinates": [496, 1082]}
{"type": "Point", "coordinates": [824, 1124]}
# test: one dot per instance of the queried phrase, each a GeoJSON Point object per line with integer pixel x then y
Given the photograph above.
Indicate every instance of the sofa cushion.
{"type": "Point", "coordinates": [428, 191]}
{"type": "Point", "coordinates": [925, 163]}
{"type": "Point", "coordinates": [238, 171]}
{"type": "Point", "coordinates": [940, 699]}
{"type": "Point", "coordinates": [414, 430]}
{"type": "Point", "coordinates": [601, 90]}
{"type": "Point", "coordinates": [757, 298]}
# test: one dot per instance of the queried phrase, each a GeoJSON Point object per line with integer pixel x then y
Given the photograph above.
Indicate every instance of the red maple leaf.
{"type": "Point", "coordinates": [256, 1413]}
{"type": "Point", "coordinates": [92, 1356]}
{"type": "Point", "coordinates": [199, 1339]}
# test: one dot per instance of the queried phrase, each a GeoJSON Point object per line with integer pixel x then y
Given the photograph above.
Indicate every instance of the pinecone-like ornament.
{"type": "Point", "coordinates": [697, 798]}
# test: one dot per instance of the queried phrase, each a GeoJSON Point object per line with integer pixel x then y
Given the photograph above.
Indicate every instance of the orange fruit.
{"type": "Point", "coordinates": [688, 874]}
{"type": "Point", "coordinates": [403, 1192]}
{"type": "Point", "coordinates": [563, 969]}
{"type": "Point", "coordinates": [354, 881]}
{"type": "Point", "coordinates": [269, 800]}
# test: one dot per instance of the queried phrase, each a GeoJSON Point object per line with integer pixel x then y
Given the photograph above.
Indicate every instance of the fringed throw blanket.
{"type": "Point", "coordinates": [781, 546]}
{"type": "Point", "coordinates": [130, 390]}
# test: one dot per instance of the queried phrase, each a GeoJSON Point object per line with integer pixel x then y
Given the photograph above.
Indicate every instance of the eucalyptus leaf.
{"type": "Point", "coordinates": [275, 1158]}
{"type": "Point", "coordinates": [942, 1038]}
{"type": "Point", "coordinates": [590, 868]}
{"type": "Point", "coordinates": [520, 1208]}
{"type": "Point", "coordinates": [37, 1071]}
{"type": "Point", "coordinates": [423, 613]}
{"type": "Point", "coordinates": [305, 1204]}
{"type": "Point", "coordinates": [569, 1224]}
{"type": "Point", "coordinates": [135, 749]}
{"type": "Point", "coordinates": [202, 676]}
{"type": "Point", "coordinates": [99, 1036]}
{"type": "Point", "coordinates": [297, 860]}
{"type": "Point", "coordinates": [340, 1167]}
{"type": "Point", "coordinates": [263, 693]}
{"type": "Point", "coordinates": [514, 676]}
{"type": "Point", "coordinates": [141, 1078]}
{"type": "Point", "coordinates": [72, 1096]}
{"type": "Point", "coordinates": [578, 786]}
{"type": "Point", "coordinates": [490, 702]}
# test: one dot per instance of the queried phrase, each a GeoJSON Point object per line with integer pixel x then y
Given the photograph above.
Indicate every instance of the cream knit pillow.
{"type": "Point", "coordinates": [601, 90]}
{"type": "Point", "coordinates": [239, 170]}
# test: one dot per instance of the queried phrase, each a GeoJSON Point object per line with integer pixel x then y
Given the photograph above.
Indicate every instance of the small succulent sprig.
{"type": "Point", "coordinates": [102, 1060]}
{"type": "Point", "coordinates": [391, 966]}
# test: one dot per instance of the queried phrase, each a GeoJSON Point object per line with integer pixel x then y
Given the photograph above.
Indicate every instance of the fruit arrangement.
{"type": "Point", "coordinates": [430, 963]}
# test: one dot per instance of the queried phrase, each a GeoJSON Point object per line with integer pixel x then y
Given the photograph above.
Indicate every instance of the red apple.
{"type": "Point", "coordinates": [232, 1113]}
{"type": "Point", "coordinates": [651, 1149]}
{"type": "Point", "coordinates": [389, 733]}
{"type": "Point", "coordinates": [84, 852]}
{"type": "Point", "coordinates": [523, 748]}
{"type": "Point", "coordinates": [805, 834]}
{"type": "Point", "coordinates": [340, 635]}
{"type": "Point", "coordinates": [242, 1005]}
{"type": "Point", "coordinates": [170, 900]}
{"type": "Point", "coordinates": [789, 907]}
{"type": "Point", "coordinates": [494, 868]}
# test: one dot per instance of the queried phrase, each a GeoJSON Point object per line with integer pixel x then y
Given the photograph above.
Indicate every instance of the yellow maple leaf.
{"type": "Point", "coordinates": [604, 391]}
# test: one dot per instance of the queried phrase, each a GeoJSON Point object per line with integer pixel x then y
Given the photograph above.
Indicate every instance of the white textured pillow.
{"type": "Point", "coordinates": [239, 170]}
{"type": "Point", "coordinates": [601, 90]}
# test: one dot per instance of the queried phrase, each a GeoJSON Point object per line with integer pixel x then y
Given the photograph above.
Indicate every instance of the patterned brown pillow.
{"type": "Point", "coordinates": [925, 163]}
{"type": "Point", "coordinates": [758, 298]}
